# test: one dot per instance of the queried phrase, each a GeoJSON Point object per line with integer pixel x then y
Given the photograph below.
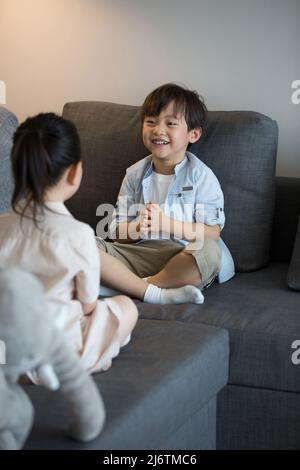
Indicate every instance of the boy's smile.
{"type": "Point", "coordinates": [167, 136]}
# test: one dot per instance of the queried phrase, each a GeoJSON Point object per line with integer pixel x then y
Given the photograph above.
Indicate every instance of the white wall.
{"type": "Point", "coordinates": [239, 54]}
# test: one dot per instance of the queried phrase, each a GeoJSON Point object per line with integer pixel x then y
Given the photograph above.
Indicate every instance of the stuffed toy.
{"type": "Point", "coordinates": [30, 342]}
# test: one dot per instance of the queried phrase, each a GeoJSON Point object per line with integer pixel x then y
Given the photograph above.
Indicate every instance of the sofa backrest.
{"type": "Point", "coordinates": [239, 146]}
{"type": "Point", "coordinates": [8, 125]}
{"type": "Point", "coordinates": [285, 220]}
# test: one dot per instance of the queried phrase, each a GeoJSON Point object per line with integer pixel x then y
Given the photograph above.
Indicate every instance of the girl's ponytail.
{"type": "Point", "coordinates": [44, 146]}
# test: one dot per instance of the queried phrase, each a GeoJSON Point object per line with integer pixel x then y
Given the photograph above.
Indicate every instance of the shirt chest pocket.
{"type": "Point", "coordinates": [188, 195]}
{"type": "Point", "coordinates": [186, 198]}
{"type": "Point", "coordinates": [183, 205]}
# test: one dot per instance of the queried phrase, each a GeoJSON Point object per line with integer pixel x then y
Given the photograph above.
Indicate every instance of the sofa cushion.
{"type": "Point", "coordinates": [162, 378]}
{"type": "Point", "coordinates": [285, 220]}
{"type": "Point", "coordinates": [111, 141]}
{"type": "Point", "coordinates": [263, 319]}
{"type": "Point", "coordinates": [240, 147]}
{"type": "Point", "coordinates": [8, 125]}
{"type": "Point", "coordinates": [258, 418]}
{"type": "Point", "coordinates": [293, 277]}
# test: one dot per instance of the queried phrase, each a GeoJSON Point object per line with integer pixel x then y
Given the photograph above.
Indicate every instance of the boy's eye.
{"type": "Point", "coordinates": [172, 123]}
{"type": "Point", "coordinates": [150, 121]}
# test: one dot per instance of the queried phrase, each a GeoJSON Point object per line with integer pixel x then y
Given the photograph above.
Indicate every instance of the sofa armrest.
{"type": "Point", "coordinates": [8, 125]}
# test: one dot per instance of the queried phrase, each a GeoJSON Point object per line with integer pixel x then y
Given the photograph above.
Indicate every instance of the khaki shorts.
{"type": "Point", "coordinates": [148, 258]}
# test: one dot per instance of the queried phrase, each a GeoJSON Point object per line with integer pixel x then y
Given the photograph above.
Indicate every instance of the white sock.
{"type": "Point", "coordinates": [180, 295]}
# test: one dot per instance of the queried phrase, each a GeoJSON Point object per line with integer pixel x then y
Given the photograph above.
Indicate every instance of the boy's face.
{"type": "Point", "coordinates": [166, 136]}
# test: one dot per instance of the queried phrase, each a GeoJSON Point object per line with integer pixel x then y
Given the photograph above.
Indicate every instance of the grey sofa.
{"type": "Point", "coordinates": [217, 375]}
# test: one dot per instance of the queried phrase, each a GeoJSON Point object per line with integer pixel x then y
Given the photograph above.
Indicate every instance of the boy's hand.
{"type": "Point", "coordinates": [153, 220]}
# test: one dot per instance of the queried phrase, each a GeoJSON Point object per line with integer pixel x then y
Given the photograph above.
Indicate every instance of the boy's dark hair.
{"type": "Point", "coordinates": [186, 102]}
{"type": "Point", "coordinates": [44, 146]}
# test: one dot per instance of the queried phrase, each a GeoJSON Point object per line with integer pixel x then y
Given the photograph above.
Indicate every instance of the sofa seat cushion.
{"type": "Point", "coordinates": [263, 319]}
{"type": "Point", "coordinates": [161, 378]}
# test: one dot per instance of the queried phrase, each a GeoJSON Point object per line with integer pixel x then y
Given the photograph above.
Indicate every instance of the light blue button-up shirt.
{"type": "Point", "coordinates": [194, 196]}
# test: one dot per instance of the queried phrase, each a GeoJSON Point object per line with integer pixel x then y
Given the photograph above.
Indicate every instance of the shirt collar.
{"type": "Point", "coordinates": [178, 167]}
{"type": "Point", "coordinates": [58, 207]}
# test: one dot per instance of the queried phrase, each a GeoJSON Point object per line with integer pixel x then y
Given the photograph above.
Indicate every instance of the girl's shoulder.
{"type": "Point", "coordinates": [66, 226]}
{"type": "Point", "coordinates": [68, 238]}
{"type": "Point", "coordinates": [56, 225]}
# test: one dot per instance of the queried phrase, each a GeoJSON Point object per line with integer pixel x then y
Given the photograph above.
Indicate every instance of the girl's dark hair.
{"type": "Point", "coordinates": [186, 102]}
{"type": "Point", "coordinates": [44, 146]}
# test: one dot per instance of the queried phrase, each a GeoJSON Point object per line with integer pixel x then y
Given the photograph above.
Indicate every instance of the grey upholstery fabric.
{"type": "Point", "coordinates": [251, 418]}
{"type": "Point", "coordinates": [293, 277]}
{"type": "Point", "coordinates": [163, 377]}
{"type": "Point", "coordinates": [287, 210]}
{"type": "Point", "coordinates": [8, 125]}
{"type": "Point", "coordinates": [111, 141]}
{"type": "Point", "coordinates": [240, 147]}
{"type": "Point", "coordinates": [197, 432]}
{"type": "Point", "coordinates": [262, 317]}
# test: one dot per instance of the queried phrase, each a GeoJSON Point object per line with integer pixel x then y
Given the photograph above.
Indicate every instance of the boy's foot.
{"type": "Point", "coordinates": [180, 295]}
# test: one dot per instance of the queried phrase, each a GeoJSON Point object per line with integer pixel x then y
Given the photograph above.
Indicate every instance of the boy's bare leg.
{"type": "Point", "coordinates": [181, 270]}
{"type": "Point", "coordinates": [116, 275]}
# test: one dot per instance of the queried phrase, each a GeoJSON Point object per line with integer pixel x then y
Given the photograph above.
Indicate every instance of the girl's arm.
{"type": "Point", "coordinates": [87, 307]}
{"type": "Point", "coordinates": [87, 281]}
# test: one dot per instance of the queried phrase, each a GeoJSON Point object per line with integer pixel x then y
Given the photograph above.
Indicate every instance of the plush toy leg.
{"type": "Point", "coordinates": [22, 414]}
{"type": "Point", "coordinates": [80, 391]}
{"type": "Point", "coordinates": [16, 415]}
{"type": "Point", "coordinates": [8, 441]}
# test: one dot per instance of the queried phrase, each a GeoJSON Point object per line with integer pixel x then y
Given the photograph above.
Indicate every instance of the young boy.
{"type": "Point", "coordinates": [174, 240]}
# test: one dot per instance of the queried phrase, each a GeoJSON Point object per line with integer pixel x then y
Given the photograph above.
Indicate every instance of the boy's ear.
{"type": "Point", "coordinates": [74, 173]}
{"type": "Point", "coordinates": [195, 134]}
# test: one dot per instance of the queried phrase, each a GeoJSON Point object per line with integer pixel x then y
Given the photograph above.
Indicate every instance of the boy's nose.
{"type": "Point", "coordinates": [159, 129]}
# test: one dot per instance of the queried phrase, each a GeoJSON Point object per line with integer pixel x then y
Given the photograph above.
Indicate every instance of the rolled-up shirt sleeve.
{"type": "Point", "coordinates": [125, 207]}
{"type": "Point", "coordinates": [209, 200]}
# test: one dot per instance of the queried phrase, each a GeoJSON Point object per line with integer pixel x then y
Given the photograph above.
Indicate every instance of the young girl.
{"type": "Point", "coordinates": [40, 236]}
